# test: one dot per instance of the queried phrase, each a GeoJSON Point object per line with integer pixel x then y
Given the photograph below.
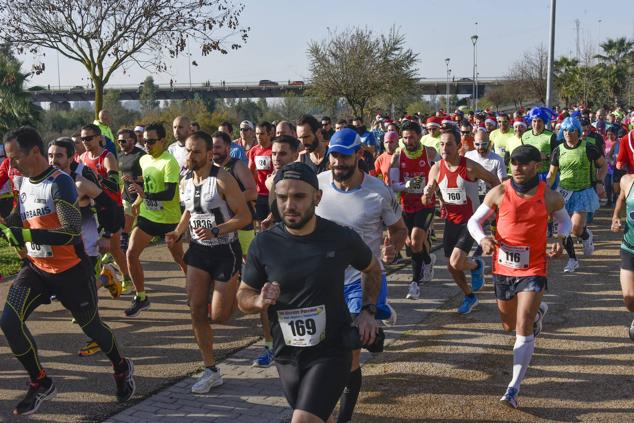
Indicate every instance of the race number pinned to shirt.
{"type": "Point", "coordinates": [514, 257]}
{"type": "Point", "coordinates": [262, 162]}
{"type": "Point", "coordinates": [415, 185]}
{"type": "Point", "coordinates": [153, 205]}
{"type": "Point", "coordinates": [38, 250]}
{"type": "Point", "coordinates": [564, 193]}
{"type": "Point", "coordinates": [303, 327]}
{"type": "Point", "coordinates": [454, 195]}
{"type": "Point", "coordinates": [201, 221]}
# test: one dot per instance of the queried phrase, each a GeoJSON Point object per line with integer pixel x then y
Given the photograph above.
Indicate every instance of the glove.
{"type": "Point", "coordinates": [16, 237]}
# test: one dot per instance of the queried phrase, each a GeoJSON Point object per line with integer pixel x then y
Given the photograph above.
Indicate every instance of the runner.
{"type": "Point", "coordinates": [383, 162]}
{"type": "Point", "coordinates": [409, 173]}
{"type": "Point", "coordinates": [315, 152]}
{"type": "Point", "coordinates": [582, 168]}
{"type": "Point", "coordinates": [50, 239]}
{"type": "Point", "coordinates": [358, 201]}
{"type": "Point", "coordinates": [501, 136]}
{"type": "Point", "coordinates": [181, 128]}
{"type": "Point", "coordinates": [523, 206]}
{"type": "Point", "coordinates": [261, 167]}
{"type": "Point", "coordinates": [214, 209]}
{"type": "Point", "coordinates": [311, 324]}
{"type": "Point", "coordinates": [157, 209]}
{"type": "Point", "coordinates": [457, 179]}
{"type": "Point", "coordinates": [540, 137]}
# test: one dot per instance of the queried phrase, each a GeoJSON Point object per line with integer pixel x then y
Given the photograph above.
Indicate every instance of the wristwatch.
{"type": "Point", "coordinates": [370, 308]}
{"type": "Point", "coordinates": [215, 231]}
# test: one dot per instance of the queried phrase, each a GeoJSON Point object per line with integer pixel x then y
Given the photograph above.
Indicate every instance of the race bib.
{"type": "Point", "coordinates": [153, 205]}
{"type": "Point", "coordinates": [454, 196]}
{"type": "Point", "coordinates": [514, 257]}
{"type": "Point", "coordinates": [564, 193]}
{"type": "Point", "coordinates": [482, 187]}
{"type": "Point", "coordinates": [303, 327]}
{"type": "Point", "coordinates": [416, 184]}
{"type": "Point", "coordinates": [262, 162]}
{"type": "Point", "coordinates": [201, 221]}
{"type": "Point", "coordinates": [38, 250]}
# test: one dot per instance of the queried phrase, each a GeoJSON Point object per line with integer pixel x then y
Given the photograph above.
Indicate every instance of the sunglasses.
{"type": "Point", "coordinates": [465, 132]}
{"type": "Point", "coordinates": [122, 141]}
{"type": "Point", "coordinates": [481, 144]}
{"type": "Point", "coordinates": [245, 129]}
{"type": "Point", "coordinates": [88, 138]}
{"type": "Point", "coordinates": [151, 141]}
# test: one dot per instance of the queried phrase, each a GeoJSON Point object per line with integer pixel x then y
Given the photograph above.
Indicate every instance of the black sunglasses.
{"type": "Point", "coordinates": [244, 129]}
{"type": "Point", "coordinates": [151, 141]}
{"type": "Point", "coordinates": [88, 138]}
{"type": "Point", "coordinates": [465, 132]}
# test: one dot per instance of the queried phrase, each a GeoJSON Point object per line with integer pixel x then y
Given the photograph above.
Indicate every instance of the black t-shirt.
{"type": "Point", "coordinates": [310, 272]}
{"type": "Point", "coordinates": [129, 165]}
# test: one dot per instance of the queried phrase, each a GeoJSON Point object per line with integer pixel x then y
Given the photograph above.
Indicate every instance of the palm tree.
{"type": "Point", "coordinates": [614, 65]}
{"type": "Point", "coordinates": [15, 104]}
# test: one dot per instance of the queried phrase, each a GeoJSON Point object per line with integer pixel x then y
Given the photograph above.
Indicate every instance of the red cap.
{"type": "Point", "coordinates": [434, 121]}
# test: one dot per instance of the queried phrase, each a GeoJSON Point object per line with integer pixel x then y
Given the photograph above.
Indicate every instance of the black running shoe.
{"type": "Point", "coordinates": [125, 382]}
{"type": "Point", "coordinates": [38, 392]}
{"type": "Point", "coordinates": [137, 306]}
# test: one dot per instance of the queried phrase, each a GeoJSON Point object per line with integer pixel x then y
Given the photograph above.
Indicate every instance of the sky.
{"type": "Point", "coordinates": [435, 29]}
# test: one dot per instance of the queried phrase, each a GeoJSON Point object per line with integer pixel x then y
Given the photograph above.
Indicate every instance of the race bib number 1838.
{"type": "Point", "coordinates": [303, 327]}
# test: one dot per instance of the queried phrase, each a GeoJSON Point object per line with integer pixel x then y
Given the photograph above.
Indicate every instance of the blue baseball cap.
{"type": "Point", "coordinates": [345, 141]}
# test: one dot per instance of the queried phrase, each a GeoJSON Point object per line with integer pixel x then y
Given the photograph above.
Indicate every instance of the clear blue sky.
{"type": "Point", "coordinates": [281, 29]}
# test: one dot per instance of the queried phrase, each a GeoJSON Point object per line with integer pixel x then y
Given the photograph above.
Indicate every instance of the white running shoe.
{"type": "Point", "coordinates": [391, 321]}
{"type": "Point", "coordinates": [428, 269]}
{"type": "Point", "coordinates": [209, 379]}
{"type": "Point", "coordinates": [539, 321]}
{"type": "Point", "coordinates": [414, 291]}
{"type": "Point", "coordinates": [571, 266]}
{"type": "Point", "coordinates": [588, 244]}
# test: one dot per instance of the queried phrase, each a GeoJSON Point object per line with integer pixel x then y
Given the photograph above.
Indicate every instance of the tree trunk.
{"type": "Point", "coordinates": [98, 96]}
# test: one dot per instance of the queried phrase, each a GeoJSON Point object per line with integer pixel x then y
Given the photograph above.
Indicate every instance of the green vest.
{"type": "Point", "coordinates": [628, 236]}
{"type": "Point", "coordinates": [574, 167]}
{"type": "Point", "coordinates": [542, 143]}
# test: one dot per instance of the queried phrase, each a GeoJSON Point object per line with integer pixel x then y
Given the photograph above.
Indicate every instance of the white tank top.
{"type": "Point", "coordinates": [207, 208]}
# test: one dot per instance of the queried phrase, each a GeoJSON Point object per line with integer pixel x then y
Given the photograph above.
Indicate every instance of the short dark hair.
{"type": "Point", "coordinates": [292, 142]}
{"type": "Point", "coordinates": [359, 118]}
{"type": "Point", "coordinates": [27, 137]}
{"type": "Point", "coordinates": [92, 127]}
{"type": "Point", "coordinates": [342, 122]}
{"type": "Point", "coordinates": [456, 134]}
{"type": "Point", "coordinates": [267, 126]}
{"type": "Point", "coordinates": [196, 124]}
{"type": "Point", "coordinates": [223, 136]}
{"type": "Point", "coordinates": [409, 125]}
{"type": "Point", "coordinates": [128, 133]}
{"type": "Point", "coordinates": [202, 135]}
{"type": "Point", "coordinates": [228, 125]}
{"type": "Point", "coordinates": [326, 118]}
{"type": "Point", "coordinates": [65, 143]}
{"type": "Point", "coordinates": [310, 121]}
{"type": "Point", "coordinates": [158, 127]}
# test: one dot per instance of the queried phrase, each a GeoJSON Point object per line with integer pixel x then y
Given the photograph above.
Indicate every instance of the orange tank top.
{"type": "Point", "coordinates": [521, 234]}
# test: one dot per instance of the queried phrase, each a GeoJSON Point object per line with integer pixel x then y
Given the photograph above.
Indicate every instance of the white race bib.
{"type": "Point", "coordinates": [564, 193]}
{"type": "Point", "coordinates": [153, 205]}
{"type": "Point", "coordinates": [262, 162]}
{"type": "Point", "coordinates": [454, 196]}
{"type": "Point", "coordinates": [303, 327]}
{"type": "Point", "coordinates": [482, 187]}
{"type": "Point", "coordinates": [416, 184]}
{"type": "Point", "coordinates": [38, 250]}
{"type": "Point", "coordinates": [201, 221]}
{"type": "Point", "coordinates": [514, 257]}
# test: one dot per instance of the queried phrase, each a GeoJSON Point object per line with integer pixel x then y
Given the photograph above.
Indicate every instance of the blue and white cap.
{"type": "Point", "coordinates": [345, 141]}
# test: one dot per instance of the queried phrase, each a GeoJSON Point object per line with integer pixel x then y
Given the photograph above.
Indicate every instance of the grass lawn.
{"type": "Point", "coordinates": [9, 261]}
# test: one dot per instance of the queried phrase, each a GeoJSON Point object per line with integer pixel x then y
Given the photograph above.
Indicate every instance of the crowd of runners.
{"type": "Point", "coordinates": [296, 221]}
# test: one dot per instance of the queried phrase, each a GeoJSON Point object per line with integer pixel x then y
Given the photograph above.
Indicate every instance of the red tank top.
{"type": "Point", "coordinates": [459, 193]}
{"type": "Point", "coordinates": [521, 233]}
{"type": "Point", "coordinates": [97, 165]}
{"type": "Point", "coordinates": [409, 169]}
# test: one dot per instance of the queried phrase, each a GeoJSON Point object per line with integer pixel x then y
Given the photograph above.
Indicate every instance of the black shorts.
{"type": "Point", "coordinates": [262, 209]}
{"type": "Point", "coordinates": [315, 385]}
{"type": "Point", "coordinates": [220, 261]}
{"type": "Point", "coordinates": [119, 218]}
{"type": "Point", "coordinates": [627, 260]}
{"type": "Point", "coordinates": [456, 235]}
{"type": "Point", "coordinates": [507, 287]}
{"type": "Point", "coordinates": [153, 228]}
{"type": "Point", "coordinates": [74, 288]}
{"type": "Point", "coordinates": [421, 219]}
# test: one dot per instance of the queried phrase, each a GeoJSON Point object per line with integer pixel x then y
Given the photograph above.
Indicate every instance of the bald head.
{"type": "Point", "coordinates": [481, 141]}
{"type": "Point", "coordinates": [104, 116]}
{"type": "Point", "coordinates": [181, 128]}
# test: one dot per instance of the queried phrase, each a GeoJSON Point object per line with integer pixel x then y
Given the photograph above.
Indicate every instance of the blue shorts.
{"type": "Point", "coordinates": [353, 294]}
{"type": "Point", "coordinates": [542, 177]}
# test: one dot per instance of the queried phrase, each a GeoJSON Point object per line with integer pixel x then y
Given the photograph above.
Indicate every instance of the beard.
{"type": "Point", "coordinates": [219, 158]}
{"type": "Point", "coordinates": [312, 147]}
{"type": "Point", "coordinates": [303, 219]}
{"type": "Point", "coordinates": [193, 165]}
{"type": "Point", "coordinates": [343, 173]}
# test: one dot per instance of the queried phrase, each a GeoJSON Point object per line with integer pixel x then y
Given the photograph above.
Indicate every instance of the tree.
{"type": "Point", "coordinates": [529, 73]}
{"type": "Point", "coordinates": [361, 67]}
{"type": "Point", "coordinates": [147, 97]}
{"type": "Point", "coordinates": [16, 108]}
{"type": "Point", "coordinates": [614, 65]}
{"type": "Point", "coordinates": [108, 35]}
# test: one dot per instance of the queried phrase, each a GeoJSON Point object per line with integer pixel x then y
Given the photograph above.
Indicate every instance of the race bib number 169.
{"type": "Point", "coordinates": [303, 327]}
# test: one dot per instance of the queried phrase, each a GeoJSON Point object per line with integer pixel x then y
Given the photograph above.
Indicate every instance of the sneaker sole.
{"type": "Point", "coordinates": [131, 367]}
{"type": "Point", "coordinates": [261, 366]}
{"type": "Point", "coordinates": [88, 353]}
{"type": "Point", "coordinates": [138, 312]}
{"type": "Point", "coordinates": [38, 403]}
{"type": "Point", "coordinates": [508, 403]}
{"type": "Point", "coordinates": [471, 308]}
{"type": "Point", "coordinates": [213, 385]}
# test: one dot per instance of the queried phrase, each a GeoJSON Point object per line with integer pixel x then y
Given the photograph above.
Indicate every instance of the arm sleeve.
{"type": "Point", "coordinates": [390, 209]}
{"type": "Point", "coordinates": [481, 215]}
{"type": "Point", "coordinates": [361, 255]}
{"type": "Point", "coordinates": [166, 195]}
{"type": "Point", "coordinates": [254, 272]}
{"type": "Point", "coordinates": [395, 178]}
{"type": "Point", "coordinates": [564, 224]}
{"type": "Point", "coordinates": [65, 200]}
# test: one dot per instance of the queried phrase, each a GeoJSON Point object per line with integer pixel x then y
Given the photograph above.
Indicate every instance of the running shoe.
{"type": "Point", "coordinates": [428, 269]}
{"type": "Point", "coordinates": [510, 397]}
{"type": "Point", "coordinates": [137, 306]}
{"type": "Point", "coordinates": [89, 349]}
{"type": "Point", "coordinates": [571, 266]}
{"type": "Point", "coordinates": [541, 312]}
{"type": "Point", "coordinates": [125, 382]}
{"type": "Point", "coordinates": [126, 286]}
{"type": "Point", "coordinates": [390, 321]}
{"type": "Point", "coordinates": [588, 244]}
{"type": "Point", "coordinates": [209, 379]}
{"type": "Point", "coordinates": [632, 331]}
{"type": "Point", "coordinates": [37, 393]}
{"type": "Point", "coordinates": [111, 278]}
{"type": "Point", "coordinates": [414, 291]}
{"type": "Point", "coordinates": [265, 359]}
{"type": "Point", "coordinates": [467, 304]}
{"type": "Point", "coordinates": [477, 275]}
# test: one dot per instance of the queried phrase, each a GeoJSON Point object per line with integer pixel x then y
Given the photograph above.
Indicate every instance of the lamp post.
{"type": "Point", "coordinates": [474, 88]}
{"type": "Point", "coordinates": [448, 72]}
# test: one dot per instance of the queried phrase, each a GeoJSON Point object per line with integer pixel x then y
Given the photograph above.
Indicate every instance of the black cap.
{"type": "Point", "coordinates": [299, 172]}
{"type": "Point", "coordinates": [526, 153]}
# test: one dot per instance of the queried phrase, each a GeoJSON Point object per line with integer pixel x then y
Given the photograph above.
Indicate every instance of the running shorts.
{"type": "Point", "coordinates": [456, 235]}
{"type": "Point", "coordinates": [220, 261]}
{"type": "Point", "coordinates": [421, 219]}
{"type": "Point", "coordinates": [627, 260]}
{"type": "Point", "coordinates": [153, 228]}
{"type": "Point", "coordinates": [507, 287]}
{"type": "Point", "coordinates": [262, 209]}
{"type": "Point", "coordinates": [353, 294]}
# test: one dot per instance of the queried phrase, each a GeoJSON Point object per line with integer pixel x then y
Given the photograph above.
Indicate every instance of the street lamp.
{"type": "Point", "coordinates": [448, 72]}
{"type": "Point", "coordinates": [474, 88]}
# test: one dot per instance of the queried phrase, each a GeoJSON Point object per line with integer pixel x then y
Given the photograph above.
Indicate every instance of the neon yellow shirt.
{"type": "Point", "coordinates": [156, 173]}
{"type": "Point", "coordinates": [500, 141]}
{"type": "Point", "coordinates": [511, 144]}
{"type": "Point", "coordinates": [431, 141]}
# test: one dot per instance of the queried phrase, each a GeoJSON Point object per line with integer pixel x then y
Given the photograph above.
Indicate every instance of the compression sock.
{"type": "Point", "coordinates": [349, 397]}
{"type": "Point", "coordinates": [426, 258]}
{"type": "Point", "coordinates": [417, 266]}
{"type": "Point", "coordinates": [522, 354]}
{"type": "Point", "coordinates": [585, 235]}
{"type": "Point", "coordinates": [570, 247]}
{"type": "Point", "coordinates": [141, 295]}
